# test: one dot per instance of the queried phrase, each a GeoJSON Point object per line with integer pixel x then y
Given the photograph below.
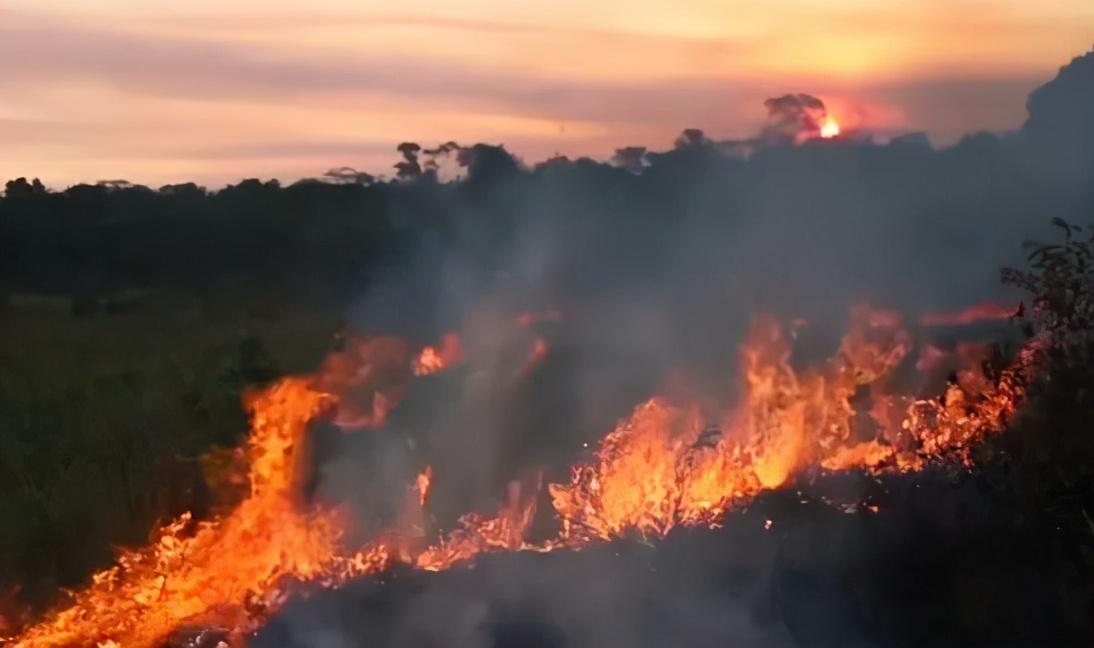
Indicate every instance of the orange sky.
{"type": "Point", "coordinates": [214, 91]}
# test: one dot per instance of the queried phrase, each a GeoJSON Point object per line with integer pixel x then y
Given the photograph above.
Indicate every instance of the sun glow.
{"type": "Point", "coordinates": [830, 128]}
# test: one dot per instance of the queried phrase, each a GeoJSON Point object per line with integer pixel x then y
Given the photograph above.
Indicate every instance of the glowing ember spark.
{"type": "Point", "coordinates": [433, 359]}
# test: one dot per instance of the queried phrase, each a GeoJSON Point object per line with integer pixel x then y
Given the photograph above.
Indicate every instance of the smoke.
{"type": "Point", "coordinates": [687, 591]}
{"type": "Point", "coordinates": [657, 263]}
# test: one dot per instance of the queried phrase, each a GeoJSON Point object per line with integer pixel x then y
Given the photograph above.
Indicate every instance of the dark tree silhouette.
{"type": "Point", "coordinates": [408, 167]}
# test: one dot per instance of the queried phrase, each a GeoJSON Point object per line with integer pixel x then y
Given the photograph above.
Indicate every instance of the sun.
{"type": "Point", "coordinates": [830, 128]}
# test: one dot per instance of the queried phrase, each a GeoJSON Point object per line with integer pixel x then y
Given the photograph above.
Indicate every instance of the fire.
{"type": "Point", "coordinates": [665, 467]}
{"type": "Point", "coordinates": [433, 359]}
{"type": "Point", "coordinates": [477, 533]}
{"type": "Point", "coordinates": [670, 463]}
{"type": "Point", "coordinates": [425, 480]}
{"type": "Point", "coordinates": [975, 313]}
{"type": "Point", "coordinates": [830, 128]}
{"type": "Point", "coordinates": [235, 571]}
{"type": "Point", "coordinates": [540, 347]}
{"type": "Point", "coordinates": [226, 572]}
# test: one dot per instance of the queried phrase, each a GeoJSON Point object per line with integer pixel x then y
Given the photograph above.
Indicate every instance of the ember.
{"type": "Point", "coordinates": [433, 359]}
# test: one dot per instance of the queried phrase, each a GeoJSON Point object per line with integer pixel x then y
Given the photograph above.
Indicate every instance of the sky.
{"type": "Point", "coordinates": [213, 91]}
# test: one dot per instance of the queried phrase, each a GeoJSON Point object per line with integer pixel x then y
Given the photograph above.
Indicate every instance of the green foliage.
{"type": "Point", "coordinates": [1060, 279]}
{"type": "Point", "coordinates": [112, 237]}
{"type": "Point", "coordinates": [102, 422]}
{"type": "Point", "coordinates": [1043, 467]}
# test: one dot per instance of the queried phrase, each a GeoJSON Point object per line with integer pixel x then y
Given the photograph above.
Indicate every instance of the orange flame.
{"type": "Point", "coordinates": [665, 465]}
{"type": "Point", "coordinates": [425, 479]}
{"type": "Point", "coordinates": [972, 314]}
{"type": "Point", "coordinates": [230, 570]}
{"type": "Point", "coordinates": [431, 359]}
{"type": "Point", "coordinates": [236, 571]}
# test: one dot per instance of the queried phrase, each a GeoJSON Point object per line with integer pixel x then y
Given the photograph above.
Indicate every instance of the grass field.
{"type": "Point", "coordinates": [103, 418]}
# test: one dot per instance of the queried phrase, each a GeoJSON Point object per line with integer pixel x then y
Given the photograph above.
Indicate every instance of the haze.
{"type": "Point", "coordinates": [212, 91]}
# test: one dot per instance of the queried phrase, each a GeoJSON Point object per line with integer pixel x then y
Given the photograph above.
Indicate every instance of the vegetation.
{"type": "Point", "coordinates": [131, 318]}
{"type": "Point", "coordinates": [104, 420]}
{"type": "Point", "coordinates": [1044, 465]}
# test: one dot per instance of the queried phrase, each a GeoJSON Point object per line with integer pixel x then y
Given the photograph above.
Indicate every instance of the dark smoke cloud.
{"type": "Point", "coordinates": [629, 595]}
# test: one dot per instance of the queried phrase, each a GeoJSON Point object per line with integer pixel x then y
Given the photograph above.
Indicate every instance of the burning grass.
{"type": "Point", "coordinates": [664, 466]}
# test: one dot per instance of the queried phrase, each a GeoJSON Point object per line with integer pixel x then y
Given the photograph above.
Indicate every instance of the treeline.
{"type": "Point", "coordinates": [869, 213]}
{"type": "Point", "coordinates": [772, 223]}
{"type": "Point", "coordinates": [97, 239]}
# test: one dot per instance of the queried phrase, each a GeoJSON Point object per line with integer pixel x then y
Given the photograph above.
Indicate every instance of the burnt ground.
{"type": "Point", "coordinates": [943, 561]}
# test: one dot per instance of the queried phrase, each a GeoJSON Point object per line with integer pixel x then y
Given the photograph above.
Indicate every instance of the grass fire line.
{"type": "Point", "coordinates": [663, 466]}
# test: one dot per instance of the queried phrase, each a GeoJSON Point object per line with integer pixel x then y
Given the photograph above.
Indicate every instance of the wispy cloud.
{"type": "Point", "coordinates": [127, 86]}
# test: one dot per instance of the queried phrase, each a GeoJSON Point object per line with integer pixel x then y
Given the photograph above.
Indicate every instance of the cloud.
{"type": "Point", "coordinates": [52, 51]}
{"type": "Point", "coordinates": [145, 84]}
{"type": "Point", "coordinates": [55, 53]}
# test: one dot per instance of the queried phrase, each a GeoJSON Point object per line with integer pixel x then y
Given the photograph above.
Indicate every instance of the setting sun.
{"type": "Point", "coordinates": [830, 128]}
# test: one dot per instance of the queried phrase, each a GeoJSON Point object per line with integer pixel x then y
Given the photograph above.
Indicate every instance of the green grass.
{"type": "Point", "coordinates": [102, 420]}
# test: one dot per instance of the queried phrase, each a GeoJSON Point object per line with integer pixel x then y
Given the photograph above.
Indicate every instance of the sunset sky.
{"type": "Point", "coordinates": [214, 90]}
